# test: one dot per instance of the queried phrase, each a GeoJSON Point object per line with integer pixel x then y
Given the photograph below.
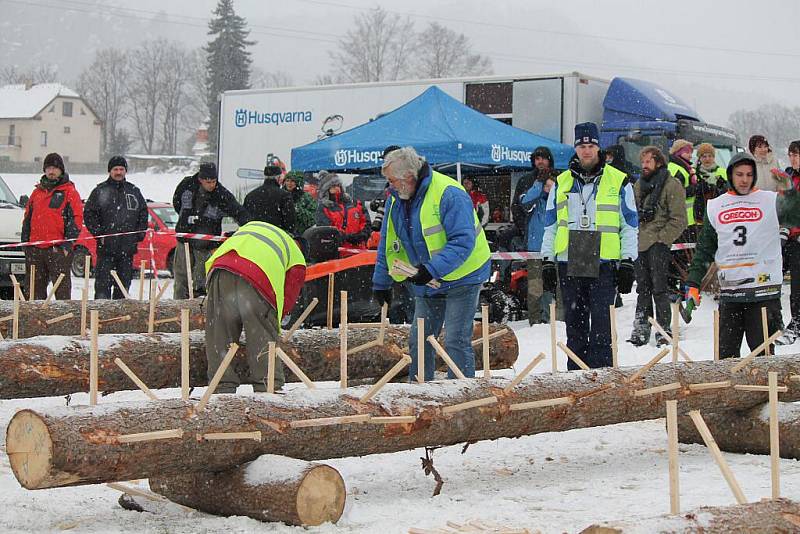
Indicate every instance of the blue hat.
{"type": "Point", "coordinates": [586, 133]}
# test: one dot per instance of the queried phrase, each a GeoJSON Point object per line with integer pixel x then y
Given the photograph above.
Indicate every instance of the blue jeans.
{"type": "Point", "coordinates": [456, 309]}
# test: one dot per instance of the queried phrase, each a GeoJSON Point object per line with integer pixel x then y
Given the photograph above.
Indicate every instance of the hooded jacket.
{"type": "Point", "coordinates": [521, 211]}
{"type": "Point", "coordinates": [305, 207]}
{"type": "Point", "coordinates": [53, 212]}
{"type": "Point", "coordinates": [789, 203]}
{"type": "Point", "coordinates": [202, 212]}
{"type": "Point", "coordinates": [339, 211]}
{"type": "Point", "coordinates": [270, 204]}
{"type": "Point", "coordinates": [116, 206]}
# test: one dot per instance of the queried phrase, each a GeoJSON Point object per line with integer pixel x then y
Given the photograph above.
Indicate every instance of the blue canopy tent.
{"type": "Point", "coordinates": [442, 129]}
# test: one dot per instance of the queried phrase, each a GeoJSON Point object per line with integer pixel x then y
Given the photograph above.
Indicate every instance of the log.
{"type": "Point", "coordinates": [33, 317]}
{"type": "Point", "coordinates": [63, 446]}
{"type": "Point", "coordinates": [270, 488]}
{"type": "Point", "coordinates": [747, 432]}
{"type": "Point", "coordinates": [59, 365]}
{"type": "Point", "coordinates": [780, 515]}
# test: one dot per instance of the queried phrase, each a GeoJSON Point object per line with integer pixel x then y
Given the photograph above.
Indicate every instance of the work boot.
{"type": "Point", "coordinates": [661, 340]}
{"type": "Point", "coordinates": [790, 334]}
{"type": "Point", "coordinates": [639, 339]}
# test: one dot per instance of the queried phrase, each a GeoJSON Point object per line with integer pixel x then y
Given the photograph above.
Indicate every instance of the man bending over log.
{"type": "Point", "coordinates": [253, 281]}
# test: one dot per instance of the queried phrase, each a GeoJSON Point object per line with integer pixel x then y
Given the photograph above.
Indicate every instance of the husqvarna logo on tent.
{"type": "Point", "coordinates": [344, 157]}
{"type": "Point", "coordinates": [500, 153]}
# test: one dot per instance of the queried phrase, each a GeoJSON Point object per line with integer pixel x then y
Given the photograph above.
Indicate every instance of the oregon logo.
{"type": "Point", "coordinates": [740, 215]}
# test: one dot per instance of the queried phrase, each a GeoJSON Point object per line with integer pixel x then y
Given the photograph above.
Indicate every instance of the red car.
{"type": "Point", "coordinates": [162, 221]}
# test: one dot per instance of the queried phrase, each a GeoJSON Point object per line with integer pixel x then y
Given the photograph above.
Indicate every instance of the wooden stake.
{"type": "Point", "coordinates": [136, 379]}
{"type": "Point", "coordinates": [528, 368]}
{"type": "Point", "coordinates": [328, 421]}
{"type": "Point", "coordinates": [553, 346]}
{"type": "Point", "coordinates": [146, 494]}
{"type": "Point", "coordinates": [384, 322]}
{"type": "Point", "coordinates": [8, 318]}
{"type": "Point", "coordinates": [330, 301]}
{"type": "Point", "coordinates": [765, 327]}
{"type": "Point", "coordinates": [672, 442]}
{"type": "Point", "coordinates": [53, 290]}
{"type": "Point", "coordinates": [17, 288]}
{"type": "Point", "coordinates": [94, 321]}
{"type": "Point", "coordinates": [487, 371]}
{"type": "Point", "coordinates": [702, 428]}
{"type": "Point", "coordinates": [492, 336]}
{"type": "Point", "coordinates": [141, 278]}
{"type": "Point", "coordinates": [151, 436]}
{"type": "Point", "coordinates": [162, 289]}
{"type": "Point", "coordinates": [118, 319]}
{"type": "Point", "coordinates": [151, 317]}
{"type": "Point", "coordinates": [32, 285]}
{"type": "Point", "coordinates": [755, 352]}
{"type": "Point", "coordinates": [702, 386]}
{"type": "Point", "coordinates": [572, 356]}
{"type": "Point", "coordinates": [175, 319]}
{"type": "Point", "coordinates": [185, 353]}
{"type": "Point", "coordinates": [668, 337]}
{"type": "Point", "coordinates": [753, 387]}
{"type": "Point", "coordinates": [716, 335]}
{"type": "Point", "coordinates": [774, 441]}
{"type": "Point", "coordinates": [657, 389]}
{"type": "Point", "coordinates": [393, 420]}
{"type": "Point", "coordinates": [189, 278]}
{"type": "Point", "coordinates": [446, 357]}
{"type": "Point", "coordinates": [544, 403]}
{"type": "Point", "coordinates": [364, 346]}
{"type": "Point", "coordinates": [87, 269]}
{"type": "Point", "coordinates": [121, 287]}
{"type": "Point", "coordinates": [420, 350]}
{"type": "Point", "coordinates": [84, 304]}
{"type": "Point", "coordinates": [217, 377]}
{"type": "Point", "coordinates": [399, 366]}
{"type": "Point", "coordinates": [216, 436]}
{"type": "Point", "coordinates": [675, 332]}
{"type": "Point", "coordinates": [343, 339]}
{"type": "Point", "coordinates": [60, 318]}
{"type": "Point", "coordinates": [295, 369]}
{"type": "Point", "coordinates": [646, 367]}
{"type": "Point", "coordinates": [612, 313]}
{"type": "Point", "coordinates": [299, 321]}
{"type": "Point", "coordinates": [271, 363]}
{"type": "Point", "coordinates": [461, 406]}
{"type": "Point", "coordinates": [15, 318]}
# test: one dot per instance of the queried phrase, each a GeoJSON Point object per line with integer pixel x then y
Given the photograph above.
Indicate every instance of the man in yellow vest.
{"type": "Point", "coordinates": [680, 166]}
{"type": "Point", "coordinates": [590, 244]}
{"type": "Point", "coordinates": [253, 281]}
{"type": "Point", "coordinates": [430, 223]}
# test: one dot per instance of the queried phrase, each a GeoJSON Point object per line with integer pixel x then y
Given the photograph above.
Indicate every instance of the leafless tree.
{"type": "Point", "coordinates": [779, 124]}
{"type": "Point", "coordinates": [13, 74]}
{"type": "Point", "coordinates": [442, 52]}
{"type": "Point", "coordinates": [104, 86]}
{"type": "Point", "coordinates": [262, 79]}
{"type": "Point", "coordinates": [144, 91]}
{"type": "Point", "coordinates": [196, 88]}
{"type": "Point", "coordinates": [378, 48]}
{"type": "Point", "coordinates": [177, 72]}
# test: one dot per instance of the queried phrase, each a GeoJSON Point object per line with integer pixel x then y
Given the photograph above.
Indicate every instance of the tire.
{"type": "Point", "coordinates": [78, 261]}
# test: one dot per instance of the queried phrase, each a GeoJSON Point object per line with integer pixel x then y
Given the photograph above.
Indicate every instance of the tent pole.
{"type": "Point", "coordinates": [458, 172]}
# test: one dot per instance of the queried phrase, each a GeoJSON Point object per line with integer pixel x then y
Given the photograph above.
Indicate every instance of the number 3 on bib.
{"type": "Point", "coordinates": [741, 236]}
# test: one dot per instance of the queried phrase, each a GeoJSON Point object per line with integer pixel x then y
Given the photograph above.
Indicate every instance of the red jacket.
{"type": "Point", "coordinates": [55, 213]}
{"type": "Point", "coordinates": [348, 218]}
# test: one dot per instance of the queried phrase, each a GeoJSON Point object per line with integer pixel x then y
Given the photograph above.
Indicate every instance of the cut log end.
{"type": "Point", "coordinates": [30, 450]}
{"type": "Point", "coordinates": [321, 496]}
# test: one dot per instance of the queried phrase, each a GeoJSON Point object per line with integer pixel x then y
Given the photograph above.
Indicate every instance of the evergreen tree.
{"type": "Point", "coordinates": [228, 61]}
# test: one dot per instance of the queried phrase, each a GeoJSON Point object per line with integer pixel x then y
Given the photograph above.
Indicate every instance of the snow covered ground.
{"type": "Point", "coordinates": [559, 482]}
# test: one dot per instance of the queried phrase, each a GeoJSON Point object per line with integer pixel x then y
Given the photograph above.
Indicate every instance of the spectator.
{"type": "Point", "coordinates": [335, 208]}
{"type": "Point", "coordinates": [541, 161]}
{"type": "Point", "coordinates": [479, 200]}
{"type": "Point", "coordinates": [201, 203]}
{"type": "Point", "coordinates": [680, 166]}
{"type": "Point", "coordinates": [789, 216]}
{"type": "Point", "coordinates": [54, 212]}
{"type": "Point", "coordinates": [769, 175]}
{"type": "Point", "coordinates": [269, 203]}
{"type": "Point", "coordinates": [711, 179]}
{"type": "Point", "coordinates": [615, 156]}
{"type": "Point", "coordinates": [115, 206]}
{"type": "Point", "coordinates": [305, 207]}
{"type": "Point", "coordinates": [536, 197]}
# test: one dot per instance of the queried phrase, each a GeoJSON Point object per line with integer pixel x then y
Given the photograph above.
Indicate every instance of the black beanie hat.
{"type": "Point", "coordinates": [53, 160]}
{"type": "Point", "coordinates": [542, 152]}
{"type": "Point", "coordinates": [586, 133]}
{"type": "Point", "coordinates": [117, 161]}
{"type": "Point", "coordinates": [207, 170]}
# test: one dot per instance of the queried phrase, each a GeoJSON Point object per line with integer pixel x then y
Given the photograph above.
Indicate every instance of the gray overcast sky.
{"type": "Point", "coordinates": [718, 55]}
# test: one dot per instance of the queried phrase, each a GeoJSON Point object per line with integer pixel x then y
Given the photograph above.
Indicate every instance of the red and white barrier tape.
{"type": "Point", "coordinates": [186, 235]}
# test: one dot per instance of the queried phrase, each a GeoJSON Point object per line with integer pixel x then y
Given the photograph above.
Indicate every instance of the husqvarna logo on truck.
{"type": "Point", "coordinates": [740, 215]}
{"type": "Point", "coordinates": [243, 117]}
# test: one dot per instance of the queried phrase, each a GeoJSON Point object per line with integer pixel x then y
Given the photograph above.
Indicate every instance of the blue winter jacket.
{"type": "Point", "coordinates": [457, 215]}
{"type": "Point", "coordinates": [536, 221]}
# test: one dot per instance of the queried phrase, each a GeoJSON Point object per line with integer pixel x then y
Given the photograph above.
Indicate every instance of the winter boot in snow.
{"type": "Point", "coordinates": [790, 333]}
{"type": "Point", "coordinates": [661, 340]}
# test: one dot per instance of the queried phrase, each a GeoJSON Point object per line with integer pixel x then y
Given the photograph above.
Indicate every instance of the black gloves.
{"type": "Point", "coordinates": [422, 277]}
{"type": "Point", "coordinates": [383, 296]}
{"type": "Point", "coordinates": [625, 276]}
{"type": "Point", "coordinates": [549, 279]}
{"type": "Point", "coordinates": [784, 236]}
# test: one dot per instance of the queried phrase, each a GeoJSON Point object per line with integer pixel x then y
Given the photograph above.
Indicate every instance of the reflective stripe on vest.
{"type": "Point", "coordinates": [433, 232]}
{"type": "Point", "coordinates": [607, 217]}
{"type": "Point", "coordinates": [270, 248]}
{"type": "Point", "coordinates": [679, 172]}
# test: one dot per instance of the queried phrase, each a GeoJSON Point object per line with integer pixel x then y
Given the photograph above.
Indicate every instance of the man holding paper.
{"type": "Point", "coordinates": [430, 224]}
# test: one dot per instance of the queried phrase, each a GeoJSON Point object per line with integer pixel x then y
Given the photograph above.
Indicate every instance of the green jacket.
{"type": "Point", "coordinates": [305, 207]}
{"type": "Point", "coordinates": [669, 220]}
{"type": "Point", "coordinates": [704, 252]}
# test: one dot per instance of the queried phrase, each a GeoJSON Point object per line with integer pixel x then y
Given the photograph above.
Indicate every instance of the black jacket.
{"type": "Point", "coordinates": [115, 207]}
{"type": "Point", "coordinates": [202, 212]}
{"type": "Point", "coordinates": [271, 204]}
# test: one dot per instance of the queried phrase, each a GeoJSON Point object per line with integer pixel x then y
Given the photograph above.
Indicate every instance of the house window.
{"type": "Point", "coordinates": [43, 138]}
{"type": "Point", "coordinates": [66, 129]}
{"type": "Point", "coordinates": [66, 109]}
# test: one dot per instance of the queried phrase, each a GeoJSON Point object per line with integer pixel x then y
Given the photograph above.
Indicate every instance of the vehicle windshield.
{"type": "Point", "coordinates": [367, 188]}
{"type": "Point", "coordinates": [633, 147]}
{"type": "Point", "coordinates": [6, 195]}
{"type": "Point", "coordinates": [168, 215]}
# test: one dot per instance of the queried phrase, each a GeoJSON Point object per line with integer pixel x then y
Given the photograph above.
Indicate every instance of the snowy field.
{"type": "Point", "coordinates": [559, 482]}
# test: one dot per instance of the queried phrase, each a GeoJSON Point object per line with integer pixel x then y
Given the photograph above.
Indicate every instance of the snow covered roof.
{"type": "Point", "coordinates": [16, 102]}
